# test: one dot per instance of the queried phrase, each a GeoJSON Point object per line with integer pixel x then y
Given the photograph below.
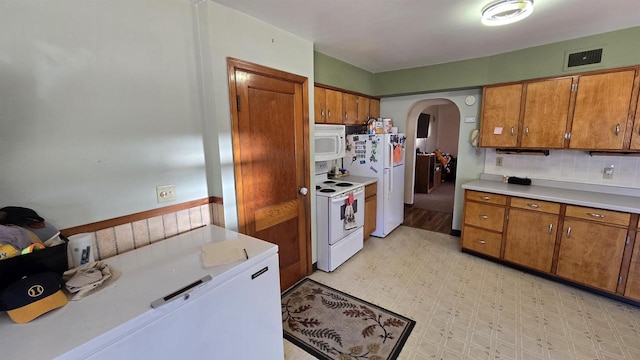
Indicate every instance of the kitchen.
{"type": "Point", "coordinates": [194, 153]}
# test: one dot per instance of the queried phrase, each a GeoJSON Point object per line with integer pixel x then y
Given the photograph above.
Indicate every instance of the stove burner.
{"type": "Point", "coordinates": [329, 182]}
{"type": "Point", "coordinates": [343, 184]}
{"type": "Point", "coordinates": [327, 190]}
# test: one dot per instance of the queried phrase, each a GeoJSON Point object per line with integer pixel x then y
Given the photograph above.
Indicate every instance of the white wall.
{"type": "Point", "coordinates": [567, 165]}
{"type": "Point", "coordinates": [99, 104]}
{"type": "Point", "coordinates": [404, 111]}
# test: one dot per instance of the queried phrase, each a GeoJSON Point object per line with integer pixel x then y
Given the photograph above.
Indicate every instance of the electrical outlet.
{"type": "Point", "coordinates": [166, 193]}
{"type": "Point", "coordinates": [608, 172]}
{"type": "Point", "coordinates": [499, 161]}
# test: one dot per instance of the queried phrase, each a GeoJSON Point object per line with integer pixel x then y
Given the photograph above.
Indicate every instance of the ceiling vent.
{"type": "Point", "coordinates": [583, 58]}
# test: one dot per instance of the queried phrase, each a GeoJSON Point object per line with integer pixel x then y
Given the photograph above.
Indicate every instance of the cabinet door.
{"type": "Point", "coordinates": [500, 116]}
{"type": "Point", "coordinates": [334, 106]}
{"type": "Point", "coordinates": [485, 216]}
{"type": "Point", "coordinates": [531, 238]}
{"type": "Point", "coordinates": [601, 111]}
{"type": "Point", "coordinates": [482, 241]}
{"type": "Point", "coordinates": [635, 136]}
{"type": "Point", "coordinates": [591, 253]}
{"type": "Point", "coordinates": [370, 209]}
{"type": "Point", "coordinates": [350, 109]}
{"type": "Point", "coordinates": [319, 104]}
{"type": "Point", "coordinates": [545, 114]}
{"type": "Point", "coordinates": [363, 109]}
{"type": "Point", "coordinates": [632, 290]}
{"type": "Point", "coordinates": [374, 108]}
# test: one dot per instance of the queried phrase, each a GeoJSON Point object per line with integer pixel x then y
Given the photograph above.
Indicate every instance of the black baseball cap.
{"type": "Point", "coordinates": [32, 296]}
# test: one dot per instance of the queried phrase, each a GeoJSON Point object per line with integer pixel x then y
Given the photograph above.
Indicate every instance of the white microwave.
{"type": "Point", "coordinates": [329, 142]}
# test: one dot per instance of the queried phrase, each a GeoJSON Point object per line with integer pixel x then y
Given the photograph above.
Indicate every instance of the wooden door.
{"type": "Point", "coordinates": [363, 109]}
{"type": "Point", "coordinates": [602, 103]}
{"type": "Point", "coordinates": [591, 253]}
{"type": "Point", "coordinates": [334, 106]}
{"type": "Point", "coordinates": [635, 135]}
{"type": "Point", "coordinates": [500, 116]}
{"type": "Point", "coordinates": [545, 114]}
{"type": "Point", "coordinates": [271, 161]}
{"type": "Point", "coordinates": [319, 105]}
{"type": "Point", "coordinates": [531, 238]}
{"type": "Point", "coordinates": [350, 108]}
{"type": "Point", "coordinates": [374, 108]}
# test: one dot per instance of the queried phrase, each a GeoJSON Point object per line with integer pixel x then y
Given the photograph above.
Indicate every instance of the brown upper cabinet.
{"type": "Point", "coordinates": [500, 116]}
{"type": "Point", "coordinates": [341, 107]}
{"type": "Point", "coordinates": [593, 111]}
{"type": "Point", "coordinates": [328, 105]}
{"type": "Point", "coordinates": [374, 108]}
{"type": "Point", "coordinates": [363, 109]}
{"type": "Point", "coordinates": [602, 111]}
{"type": "Point", "coordinates": [350, 109]}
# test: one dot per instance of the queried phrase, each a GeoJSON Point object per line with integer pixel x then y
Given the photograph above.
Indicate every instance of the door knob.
{"type": "Point", "coordinates": [304, 191]}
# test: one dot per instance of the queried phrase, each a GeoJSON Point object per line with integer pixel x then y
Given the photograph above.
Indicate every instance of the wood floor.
{"type": "Point", "coordinates": [428, 220]}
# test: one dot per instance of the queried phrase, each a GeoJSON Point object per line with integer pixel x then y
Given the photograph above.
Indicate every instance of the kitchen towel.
{"type": "Point", "coordinates": [349, 214]}
{"type": "Point", "coordinates": [86, 279]}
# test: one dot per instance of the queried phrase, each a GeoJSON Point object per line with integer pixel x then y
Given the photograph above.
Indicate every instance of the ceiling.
{"type": "Point", "coordinates": [384, 35]}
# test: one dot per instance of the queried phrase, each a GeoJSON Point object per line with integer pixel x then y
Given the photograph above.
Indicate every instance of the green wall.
{"type": "Point", "coordinates": [621, 48]}
{"type": "Point", "coordinates": [333, 72]}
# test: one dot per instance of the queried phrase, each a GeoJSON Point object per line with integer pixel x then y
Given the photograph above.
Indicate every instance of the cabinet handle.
{"type": "Point", "coordinates": [595, 215]}
{"type": "Point", "coordinates": [617, 129]}
{"type": "Point", "coordinates": [569, 231]}
{"type": "Point", "coordinates": [322, 113]}
{"type": "Point", "coordinates": [533, 206]}
{"type": "Point", "coordinates": [485, 198]}
{"type": "Point", "coordinates": [526, 131]}
{"type": "Point", "coordinates": [513, 131]}
{"type": "Point", "coordinates": [346, 116]}
{"type": "Point", "coordinates": [550, 228]}
{"type": "Point", "coordinates": [481, 242]}
{"type": "Point", "coordinates": [483, 216]}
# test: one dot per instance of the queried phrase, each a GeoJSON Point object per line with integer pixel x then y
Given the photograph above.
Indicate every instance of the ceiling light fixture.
{"type": "Point", "coordinates": [504, 12]}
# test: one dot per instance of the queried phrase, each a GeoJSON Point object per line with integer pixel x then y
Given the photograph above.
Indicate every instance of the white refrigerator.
{"type": "Point", "coordinates": [380, 156]}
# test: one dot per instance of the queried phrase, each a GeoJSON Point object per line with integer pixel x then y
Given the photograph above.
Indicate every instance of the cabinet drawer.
{"type": "Point", "coordinates": [489, 217]}
{"type": "Point", "coordinates": [535, 205]}
{"type": "Point", "coordinates": [370, 190]}
{"type": "Point", "coordinates": [482, 241]}
{"type": "Point", "coordinates": [600, 215]}
{"type": "Point", "coordinates": [486, 197]}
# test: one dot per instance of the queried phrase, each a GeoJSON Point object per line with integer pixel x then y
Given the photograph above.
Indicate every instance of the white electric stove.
{"type": "Point", "coordinates": [337, 240]}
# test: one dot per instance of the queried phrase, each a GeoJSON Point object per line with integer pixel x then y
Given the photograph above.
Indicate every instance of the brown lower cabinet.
{"type": "Point", "coordinates": [531, 238]}
{"type": "Point", "coordinates": [370, 209]}
{"type": "Point", "coordinates": [632, 289]}
{"type": "Point", "coordinates": [591, 253]}
{"type": "Point", "coordinates": [594, 247]}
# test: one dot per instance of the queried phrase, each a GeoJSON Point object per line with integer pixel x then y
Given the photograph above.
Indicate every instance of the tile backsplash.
{"type": "Point", "coordinates": [567, 165]}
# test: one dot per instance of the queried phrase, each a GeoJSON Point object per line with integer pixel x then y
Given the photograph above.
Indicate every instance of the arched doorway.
{"type": "Point", "coordinates": [432, 130]}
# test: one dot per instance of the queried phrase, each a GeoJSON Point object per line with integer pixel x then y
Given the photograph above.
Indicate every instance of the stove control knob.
{"type": "Point", "coordinates": [304, 191]}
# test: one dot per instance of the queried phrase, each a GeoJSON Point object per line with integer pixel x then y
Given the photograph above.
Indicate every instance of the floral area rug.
{"type": "Point", "coordinates": [330, 324]}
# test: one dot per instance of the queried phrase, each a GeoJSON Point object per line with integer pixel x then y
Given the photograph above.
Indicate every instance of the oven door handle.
{"type": "Point", "coordinates": [343, 198]}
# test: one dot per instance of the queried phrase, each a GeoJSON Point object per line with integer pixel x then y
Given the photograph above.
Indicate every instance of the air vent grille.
{"type": "Point", "coordinates": [585, 58]}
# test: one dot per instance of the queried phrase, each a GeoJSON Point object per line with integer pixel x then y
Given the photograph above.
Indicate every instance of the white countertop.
{"type": "Point", "coordinates": [148, 273]}
{"type": "Point", "coordinates": [565, 194]}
